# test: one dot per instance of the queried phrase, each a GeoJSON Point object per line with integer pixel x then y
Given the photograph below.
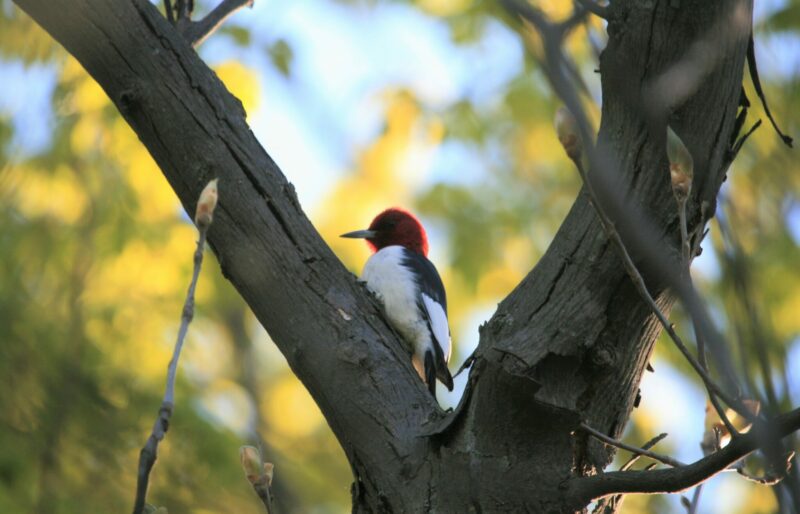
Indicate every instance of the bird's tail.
{"type": "Point", "coordinates": [430, 372]}
{"type": "Point", "coordinates": [436, 367]}
{"type": "Point", "coordinates": [442, 372]}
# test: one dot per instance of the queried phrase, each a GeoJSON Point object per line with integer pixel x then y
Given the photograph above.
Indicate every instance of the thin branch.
{"type": "Point", "coordinates": [751, 64]}
{"type": "Point", "coordinates": [768, 479]}
{"type": "Point", "coordinates": [701, 356]}
{"type": "Point", "coordinates": [685, 248]}
{"type": "Point", "coordinates": [740, 142]}
{"type": "Point", "coordinates": [638, 451]}
{"type": "Point", "coordinates": [611, 504]}
{"type": "Point", "coordinates": [168, 10]}
{"type": "Point", "coordinates": [147, 457]}
{"type": "Point", "coordinates": [759, 334]}
{"type": "Point", "coordinates": [695, 503]}
{"type": "Point", "coordinates": [673, 480]}
{"type": "Point", "coordinates": [594, 8]}
{"type": "Point", "coordinates": [530, 14]}
{"type": "Point", "coordinates": [182, 9]}
{"type": "Point", "coordinates": [198, 31]}
{"type": "Point", "coordinates": [701, 345]}
{"type": "Point", "coordinates": [646, 446]}
{"type": "Point", "coordinates": [262, 490]}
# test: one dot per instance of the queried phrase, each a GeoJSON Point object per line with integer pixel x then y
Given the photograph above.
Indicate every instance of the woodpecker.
{"type": "Point", "coordinates": [411, 291]}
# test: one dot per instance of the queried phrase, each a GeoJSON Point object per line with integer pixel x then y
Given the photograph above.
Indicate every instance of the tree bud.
{"type": "Point", "coordinates": [269, 469]}
{"type": "Point", "coordinates": [681, 166]}
{"type": "Point", "coordinates": [716, 434]}
{"type": "Point", "coordinates": [204, 214]}
{"type": "Point", "coordinates": [251, 463]}
{"type": "Point", "coordinates": [568, 134]}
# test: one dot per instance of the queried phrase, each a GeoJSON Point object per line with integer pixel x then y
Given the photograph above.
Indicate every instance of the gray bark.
{"type": "Point", "coordinates": [569, 344]}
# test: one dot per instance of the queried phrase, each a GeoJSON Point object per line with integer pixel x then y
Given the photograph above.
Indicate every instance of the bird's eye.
{"type": "Point", "coordinates": [388, 224]}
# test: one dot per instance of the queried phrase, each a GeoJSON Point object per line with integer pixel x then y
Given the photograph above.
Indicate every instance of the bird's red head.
{"type": "Point", "coordinates": [394, 226]}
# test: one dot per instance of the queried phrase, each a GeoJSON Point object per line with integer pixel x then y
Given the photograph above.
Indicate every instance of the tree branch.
{"type": "Point", "coordinates": [149, 453]}
{"type": "Point", "coordinates": [594, 8]}
{"type": "Point", "coordinates": [197, 31]}
{"type": "Point", "coordinates": [646, 446]}
{"type": "Point", "coordinates": [679, 479]}
{"type": "Point", "coordinates": [332, 333]}
{"type": "Point", "coordinates": [638, 451]}
{"type": "Point", "coordinates": [753, 67]}
{"type": "Point", "coordinates": [168, 11]}
{"type": "Point", "coordinates": [602, 166]}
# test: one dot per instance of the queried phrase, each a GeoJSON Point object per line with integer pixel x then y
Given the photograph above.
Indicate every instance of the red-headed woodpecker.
{"type": "Point", "coordinates": [407, 283]}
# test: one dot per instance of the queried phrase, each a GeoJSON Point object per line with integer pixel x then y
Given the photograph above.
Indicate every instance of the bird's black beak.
{"type": "Point", "coordinates": [360, 234]}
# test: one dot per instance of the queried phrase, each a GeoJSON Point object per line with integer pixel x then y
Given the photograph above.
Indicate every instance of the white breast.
{"type": "Point", "coordinates": [395, 285]}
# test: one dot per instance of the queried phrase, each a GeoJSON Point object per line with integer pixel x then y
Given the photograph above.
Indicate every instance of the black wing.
{"type": "Point", "coordinates": [430, 286]}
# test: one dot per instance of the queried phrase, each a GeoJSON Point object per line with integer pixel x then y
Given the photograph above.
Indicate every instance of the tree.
{"type": "Point", "coordinates": [569, 345]}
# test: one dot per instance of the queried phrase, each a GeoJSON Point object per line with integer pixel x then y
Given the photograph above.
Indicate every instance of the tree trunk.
{"type": "Point", "coordinates": [569, 344]}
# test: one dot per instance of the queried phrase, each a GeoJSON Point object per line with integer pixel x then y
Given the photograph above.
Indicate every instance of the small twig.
{"type": "Point", "coordinates": [701, 346]}
{"type": "Point", "coordinates": [182, 10]}
{"type": "Point", "coordinates": [740, 142]}
{"type": "Point", "coordinates": [740, 274]}
{"type": "Point", "coordinates": [646, 446]}
{"type": "Point", "coordinates": [614, 501]}
{"type": "Point", "coordinates": [594, 8]}
{"type": "Point", "coordinates": [204, 215]}
{"type": "Point", "coordinates": [751, 64]}
{"type": "Point", "coordinates": [763, 480]}
{"type": "Point", "coordinates": [768, 478]}
{"type": "Point", "coordinates": [147, 457]}
{"type": "Point", "coordinates": [695, 503]}
{"type": "Point", "coordinates": [639, 451]}
{"type": "Point", "coordinates": [685, 248]}
{"type": "Point", "coordinates": [262, 490]}
{"type": "Point", "coordinates": [168, 10]}
{"type": "Point", "coordinates": [723, 415]}
{"type": "Point", "coordinates": [198, 31]}
{"type": "Point", "coordinates": [671, 480]}
{"type": "Point", "coordinates": [537, 18]}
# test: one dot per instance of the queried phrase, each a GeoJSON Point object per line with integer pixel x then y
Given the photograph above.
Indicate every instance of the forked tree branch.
{"type": "Point", "coordinates": [552, 35]}
{"type": "Point", "coordinates": [679, 479]}
{"type": "Point", "coordinates": [197, 31]}
{"type": "Point", "coordinates": [644, 452]}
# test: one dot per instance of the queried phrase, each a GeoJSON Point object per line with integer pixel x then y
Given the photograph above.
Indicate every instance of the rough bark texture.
{"type": "Point", "coordinates": [569, 344]}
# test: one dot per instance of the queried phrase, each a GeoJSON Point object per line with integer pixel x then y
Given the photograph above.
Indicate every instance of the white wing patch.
{"type": "Point", "coordinates": [438, 324]}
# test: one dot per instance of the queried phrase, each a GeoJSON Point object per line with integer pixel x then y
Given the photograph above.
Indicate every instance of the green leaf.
{"type": "Point", "coordinates": [282, 55]}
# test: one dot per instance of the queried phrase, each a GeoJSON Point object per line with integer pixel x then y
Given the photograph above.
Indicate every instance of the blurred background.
{"type": "Point", "coordinates": [429, 104]}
